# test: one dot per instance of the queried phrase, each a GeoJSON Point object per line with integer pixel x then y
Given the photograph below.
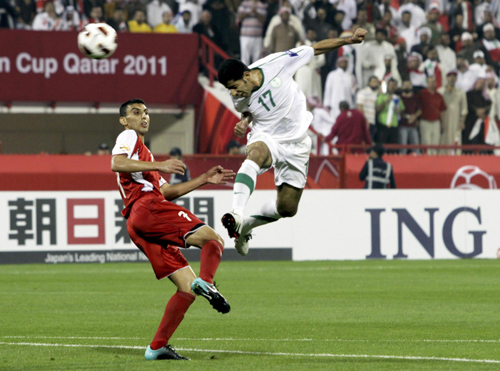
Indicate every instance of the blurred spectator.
{"type": "Point", "coordinates": [446, 56]}
{"type": "Point", "coordinates": [294, 21]}
{"type": "Point", "coordinates": [373, 56]}
{"type": "Point", "coordinates": [155, 12]}
{"type": "Point", "coordinates": [386, 6]}
{"type": "Point", "coordinates": [338, 18]}
{"type": "Point", "coordinates": [88, 6]}
{"type": "Point", "coordinates": [224, 21]}
{"type": "Point", "coordinates": [317, 21]}
{"type": "Point", "coordinates": [418, 16]}
{"type": "Point", "coordinates": [424, 35]}
{"type": "Point", "coordinates": [391, 72]}
{"type": "Point", "coordinates": [454, 118]}
{"type": "Point", "coordinates": [308, 77]}
{"type": "Point", "coordinates": [139, 24]}
{"type": "Point", "coordinates": [331, 59]}
{"type": "Point", "coordinates": [367, 98]}
{"type": "Point", "coordinates": [322, 123]}
{"type": "Point", "coordinates": [8, 14]}
{"type": "Point", "coordinates": [284, 36]}
{"type": "Point", "coordinates": [432, 67]}
{"type": "Point", "coordinates": [467, 48]}
{"type": "Point", "coordinates": [194, 6]}
{"type": "Point", "coordinates": [96, 15]}
{"type": "Point", "coordinates": [478, 103]}
{"type": "Point", "coordinates": [176, 153]}
{"type": "Point", "coordinates": [166, 26]}
{"type": "Point", "coordinates": [118, 21]}
{"type": "Point", "coordinates": [402, 58]}
{"type": "Point", "coordinates": [47, 20]}
{"type": "Point", "coordinates": [347, 51]}
{"type": "Point", "coordinates": [386, 24]}
{"type": "Point", "coordinates": [233, 148]}
{"type": "Point", "coordinates": [456, 32]}
{"type": "Point", "coordinates": [350, 127]}
{"type": "Point", "coordinates": [465, 77]}
{"type": "Point", "coordinates": [27, 13]}
{"type": "Point", "coordinates": [479, 67]}
{"type": "Point", "coordinates": [205, 27]}
{"type": "Point", "coordinates": [408, 31]}
{"type": "Point", "coordinates": [70, 20]}
{"type": "Point", "coordinates": [416, 73]}
{"type": "Point", "coordinates": [433, 24]}
{"type": "Point", "coordinates": [389, 107]}
{"type": "Point", "coordinates": [408, 125]}
{"type": "Point", "coordinates": [488, 18]}
{"type": "Point", "coordinates": [184, 23]}
{"type": "Point", "coordinates": [491, 45]}
{"type": "Point", "coordinates": [103, 149]}
{"type": "Point", "coordinates": [362, 22]}
{"type": "Point", "coordinates": [377, 173]}
{"type": "Point", "coordinates": [480, 9]}
{"type": "Point", "coordinates": [433, 110]}
{"type": "Point", "coordinates": [350, 9]}
{"type": "Point", "coordinates": [251, 15]}
{"type": "Point", "coordinates": [339, 87]}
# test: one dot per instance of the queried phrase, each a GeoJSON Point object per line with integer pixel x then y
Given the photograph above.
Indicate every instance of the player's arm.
{"type": "Point", "coordinates": [241, 127]}
{"type": "Point", "coordinates": [122, 164]}
{"type": "Point", "coordinates": [327, 45]}
{"type": "Point", "coordinates": [216, 175]}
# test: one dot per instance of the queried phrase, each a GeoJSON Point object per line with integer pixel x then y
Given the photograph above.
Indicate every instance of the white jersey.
{"type": "Point", "coordinates": [278, 106]}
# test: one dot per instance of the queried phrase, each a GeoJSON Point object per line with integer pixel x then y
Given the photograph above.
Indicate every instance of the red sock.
{"type": "Point", "coordinates": [174, 313]}
{"type": "Point", "coordinates": [211, 253]}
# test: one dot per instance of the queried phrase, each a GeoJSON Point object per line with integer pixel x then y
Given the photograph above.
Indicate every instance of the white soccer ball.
{"type": "Point", "coordinates": [97, 40]}
{"type": "Point", "coordinates": [472, 177]}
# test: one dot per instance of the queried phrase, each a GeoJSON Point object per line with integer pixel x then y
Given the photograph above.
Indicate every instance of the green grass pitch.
{"type": "Point", "coordinates": [365, 315]}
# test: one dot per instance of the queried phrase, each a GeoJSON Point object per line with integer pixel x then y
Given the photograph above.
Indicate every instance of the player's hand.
{"type": "Point", "coordinates": [359, 36]}
{"type": "Point", "coordinates": [241, 128]}
{"type": "Point", "coordinates": [219, 175]}
{"type": "Point", "coordinates": [172, 166]}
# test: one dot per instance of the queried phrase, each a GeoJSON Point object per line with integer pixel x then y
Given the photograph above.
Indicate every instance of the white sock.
{"type": "Point", "coordinates": [244, 184]}
{"type": "Point", "coordinates": [268, 214]}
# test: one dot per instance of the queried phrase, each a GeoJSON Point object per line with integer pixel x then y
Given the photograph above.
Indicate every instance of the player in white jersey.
{"type": "Point", "coordinates": [272, 104]}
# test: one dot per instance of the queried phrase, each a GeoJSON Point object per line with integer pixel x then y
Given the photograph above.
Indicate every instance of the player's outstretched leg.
{"type": "Point", "coordinates": [166, 352]}
{"type": "Point", "coordinates": [212, 247]}
{"type": "Point", "coordinates": [268, 214]}
{"type": "Point", "coordinates": [210, 292]}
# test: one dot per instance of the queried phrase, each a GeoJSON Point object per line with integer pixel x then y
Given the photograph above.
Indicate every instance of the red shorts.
{"type": "Point", "coordinates": [157, 227]}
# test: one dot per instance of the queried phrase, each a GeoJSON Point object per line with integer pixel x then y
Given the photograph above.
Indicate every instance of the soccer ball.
{"type": "Point", "coordinates": [97, 40]}
{"type": "Point", "coordinates": [472, 177]}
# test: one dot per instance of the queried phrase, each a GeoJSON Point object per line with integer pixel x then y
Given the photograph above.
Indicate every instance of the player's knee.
{"type": "Point", "coordinates": [287, 211]}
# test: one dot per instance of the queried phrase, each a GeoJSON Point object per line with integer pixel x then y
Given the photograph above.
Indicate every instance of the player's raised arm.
{"type": "Point", "coordinates": [122, 164]}
{"type": "Point", "coordinates": [216, 175]}
{"type": "Point", "coordinates": [327, 45]}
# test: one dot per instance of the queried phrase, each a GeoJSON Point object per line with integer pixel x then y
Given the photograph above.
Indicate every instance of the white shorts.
{"type": "Point", "coordinates": [290, 159]}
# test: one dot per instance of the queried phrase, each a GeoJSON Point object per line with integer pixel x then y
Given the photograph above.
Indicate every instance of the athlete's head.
{"type": "Point", "coordinates": [134, 115]}
{"type": "Point", "coordinates": [234, 75]}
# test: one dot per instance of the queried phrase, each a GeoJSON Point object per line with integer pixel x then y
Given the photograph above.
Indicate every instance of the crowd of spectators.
{"type": "Point", "coordinates": [427, 72]}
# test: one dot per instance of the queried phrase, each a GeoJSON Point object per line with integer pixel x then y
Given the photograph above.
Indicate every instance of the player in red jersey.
{"type": "Point", "coordinates": [157, 226]}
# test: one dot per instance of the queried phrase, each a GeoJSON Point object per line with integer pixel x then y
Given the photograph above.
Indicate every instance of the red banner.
{"type": "Point", "coordinates": [47, 66]}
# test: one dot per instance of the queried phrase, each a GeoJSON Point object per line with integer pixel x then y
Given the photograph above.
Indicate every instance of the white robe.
{"type": "Point", "coordinates": [308, 77]}
{"type": "Point", "coordinates": [339, 86]}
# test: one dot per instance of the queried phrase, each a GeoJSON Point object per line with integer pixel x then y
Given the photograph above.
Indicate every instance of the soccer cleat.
{"type": "Point", "coordinates": [242, 243]}
{"type": "Point", "coordinates": [232, 222]}
{"type": "Point", "coordinates": [166, 352]}
{"type": "Point", "coordinates": [210, 292]}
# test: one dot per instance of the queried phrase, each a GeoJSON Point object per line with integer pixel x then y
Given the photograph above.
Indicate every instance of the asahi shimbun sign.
{"type": "Point", "coordinates": [82, 227]}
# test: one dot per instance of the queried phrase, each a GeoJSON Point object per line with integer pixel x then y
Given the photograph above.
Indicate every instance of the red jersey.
{"type": "Point", "coordinates": [135, 185]}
